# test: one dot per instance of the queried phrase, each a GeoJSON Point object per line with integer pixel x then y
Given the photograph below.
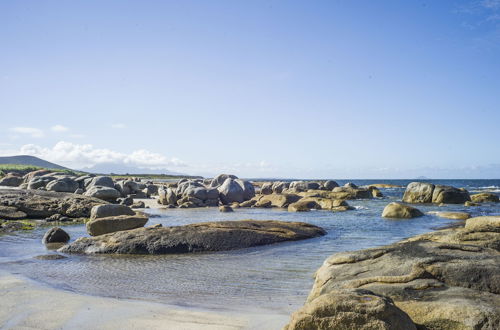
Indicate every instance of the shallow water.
{"type": "Point", "coordinates": [275, 278]}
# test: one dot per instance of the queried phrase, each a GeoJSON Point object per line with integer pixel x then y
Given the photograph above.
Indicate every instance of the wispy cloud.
{"type": "Point", "coordinates": [59, 128]}
{"type": "Point", "coordinates": [86, 155]}
{"type": "Point", "coordinates": [118, 125]}
{"type": "Point", "coordinates": [31, 131]}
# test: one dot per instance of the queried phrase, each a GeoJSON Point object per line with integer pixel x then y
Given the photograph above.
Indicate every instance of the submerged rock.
{"type": "Point", "coordinates": [208, 236]}
{"type": "Point", "coordinates": [225, 208]}
{"type": "Point", "coordinates": [398, 210]}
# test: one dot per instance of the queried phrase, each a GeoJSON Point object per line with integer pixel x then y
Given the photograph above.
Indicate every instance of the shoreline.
{"type": "Point", "coordinates": [26, 303]}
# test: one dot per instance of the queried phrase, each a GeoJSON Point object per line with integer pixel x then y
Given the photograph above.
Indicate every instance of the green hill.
{"type": "Point", "coordinates": [30, 161]}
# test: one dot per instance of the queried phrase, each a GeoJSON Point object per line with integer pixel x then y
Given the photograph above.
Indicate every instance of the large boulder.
{"type": "Point", "coordinates": [167, 196]}
{"type": "Point", "coordinates": [39, 182]}
{"type": "Point", "coordinates": [27, 177]}
{"type": "Point", "coordinates": [104, 193]}
{"type": "Point", "coordinates": [329, 185]}
{"type": "Point", "coordinates": [279, 186]}
{"type": "Point", "coordinates": [266, 188]}
{"type": "Point", "coordinates": [446, 279]}
{"type": "Point", "coordinates": [63, 185]}
{"type": "Point", "coordinates": [198, 237]}
{"type": "Point", "coordinates": [55, 235]}
{"type": "Point", "coordinates": [275, 200]}
{"type": "Point", "coordinates": [220, 179]}
{"type": "Point", "coordinates": [485, 198]}
{"type": "Point", "coordinates": [230, 191]}
{"type": "Point", "coordinates": [421, 192]}
{"type": "Point", "coordinates": [39, 204]}
{"type": "Point", "coordinates": [101, 226]}
{"type": "Point", "coordinates": [11, 181]}
{"type": "Point", "coordinates": [418, 192]}
{"type": "Point", "coordinates": [351, 309]}
{"type": "Point", "coordinates": [109, 210]}
{"type": "Point", "coordinates": [299, 186]}
{"type": "Point", "coordinates": [398, 210]}
{"type": "Point", "coordinates": [248, 189]}
{"type": "Point", "coordinates": [449, 195]}
{"type": "Point", "coordinates": [101, 181]}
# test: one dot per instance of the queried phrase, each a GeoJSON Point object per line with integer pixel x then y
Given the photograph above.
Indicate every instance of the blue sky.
{"type": "Point", "coordinates": [311, 89]}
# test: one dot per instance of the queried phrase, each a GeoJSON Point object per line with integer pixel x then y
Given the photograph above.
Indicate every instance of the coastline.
{"type": "Point", "coordinates": [25, 304]}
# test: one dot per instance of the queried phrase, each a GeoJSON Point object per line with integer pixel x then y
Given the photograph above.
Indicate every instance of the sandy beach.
{"type": "Point", "coordinates": [25, 304]}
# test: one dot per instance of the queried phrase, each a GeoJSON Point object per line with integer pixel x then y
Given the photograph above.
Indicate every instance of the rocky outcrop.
{"type": "Point", "coordinates": [421, 192]}
{"type": "Point", "coordinates": [484, 198]}
{"type": "Point", "coordinates": [401, 211]}
{"type": "Point", "coordinates": [11, 213]}
{"type": "Point", "coordinates": [197, 193]}
{"type": "Point", "coordinates": [209, 236]}
{"type": "Point", "coordinates": [55, 235]}
{"type": "Point", "coordinates": [448, 279]}
{"type": "Point", "coordinates": [39, 204]}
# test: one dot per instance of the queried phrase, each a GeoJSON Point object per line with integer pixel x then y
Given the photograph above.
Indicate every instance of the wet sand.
{"type": "Point", "coordinates": [25, 304]}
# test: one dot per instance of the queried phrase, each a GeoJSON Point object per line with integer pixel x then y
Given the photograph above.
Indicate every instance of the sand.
{"type": "Point", "coordinates": [25, 304]}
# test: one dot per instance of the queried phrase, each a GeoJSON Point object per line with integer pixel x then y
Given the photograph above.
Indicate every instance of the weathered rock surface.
{"type": "Point", "coordinates": [109, 210]}
{"type": "Point", "coordinates": [63, 185]}
{"type": "Point", "coordinates": [43, 204]}
{"type": "Point", "coordinates": [401, 211]}
{"type": "Point", "coordinates": [104, 193]}
{"type": "Point", "coordinates": [351, 309]}
{"type": "Point", "coordinates": [421, 192]}
{"type": "Point", "coordinates": [209, 236]}
{"type": "Point", "coordinates": [448, 279]}
{"type": "Point", "coordinates": [275, 200]}
{"type": "Point", "coordinates": [55, 235]}
{"type": "Point", "coordinates": [111, 224]}
{"type": "Point", "coordinates": [11, 181]}
{"type": "Point", "coordinates": [484, 198]}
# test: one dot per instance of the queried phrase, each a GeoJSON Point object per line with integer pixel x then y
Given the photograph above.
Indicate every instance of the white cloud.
{"type": "Point", "coordinates": [85, 155]}
{"type": "Point", "coordinates": [59, 128]}
{"type": "Point", "coordinates": [118, 125]}
{"type": "Point", "coordinates": [31, 131]}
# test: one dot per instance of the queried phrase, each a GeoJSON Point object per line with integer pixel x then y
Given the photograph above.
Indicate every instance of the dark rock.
{"type": "Point", "coordinates": [209, 236]}
{"type": "Point", "coordinates": [55, 235]}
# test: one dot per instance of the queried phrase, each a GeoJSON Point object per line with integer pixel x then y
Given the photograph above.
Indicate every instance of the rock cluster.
{"type": "Point", "coordinates": [224, 189]}
{"type": "Point", "coordinates": [448, 279]}
{"type": "Point", "coordinates": [102, 187]}
{"type": "Point", "coordinates": [421, 192]}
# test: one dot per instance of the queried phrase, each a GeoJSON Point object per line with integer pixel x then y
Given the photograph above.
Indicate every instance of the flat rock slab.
{"type": "Point", "coordinates": [42, 204]}
{"type": "Point", "coordinates": [207, 236]}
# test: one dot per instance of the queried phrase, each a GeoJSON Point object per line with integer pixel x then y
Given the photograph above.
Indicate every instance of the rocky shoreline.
{"type": "Point", "coordinates": [447, 279]}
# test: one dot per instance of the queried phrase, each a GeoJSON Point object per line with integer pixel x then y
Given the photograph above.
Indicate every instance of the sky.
{"type": "Point", "coordinates": [302, 89]}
